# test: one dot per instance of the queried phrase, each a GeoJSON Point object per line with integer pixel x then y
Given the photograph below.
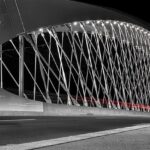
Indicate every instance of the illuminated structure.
{"type": "Point", "coordinates": [96, 63]}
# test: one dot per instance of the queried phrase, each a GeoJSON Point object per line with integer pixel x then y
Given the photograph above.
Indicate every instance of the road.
{"type": "Point", "coordinates": [15, 130]}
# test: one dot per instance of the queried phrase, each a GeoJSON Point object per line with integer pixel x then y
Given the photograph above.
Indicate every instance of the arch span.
{"type": "Point", "coordinates": [95, 63]}
{"type": "Point", "coordinates": [20, 16]}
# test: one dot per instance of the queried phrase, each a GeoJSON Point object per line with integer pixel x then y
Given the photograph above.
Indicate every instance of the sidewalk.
{"type": "Point", "coordinates": [130, 140]}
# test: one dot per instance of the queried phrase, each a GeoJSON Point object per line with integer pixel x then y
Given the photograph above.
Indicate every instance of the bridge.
{"type": "Point", "coordinates": [71, 69]}
{"type": "Point", "coordinates": [99, 59]}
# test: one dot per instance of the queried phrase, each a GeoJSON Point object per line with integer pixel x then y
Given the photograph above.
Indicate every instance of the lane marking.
{"type": "Point", "coordinates": [51, 142]}
{"type": "Point", "coordinates": [12, 120]}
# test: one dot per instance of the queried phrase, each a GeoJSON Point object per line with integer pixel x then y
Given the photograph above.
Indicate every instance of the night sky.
{"type": "Point", "coordinates": [137, 9]}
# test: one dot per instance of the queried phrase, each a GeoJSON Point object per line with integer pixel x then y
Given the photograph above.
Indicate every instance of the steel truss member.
{"type": "Point", "coordinates": [96, 63]}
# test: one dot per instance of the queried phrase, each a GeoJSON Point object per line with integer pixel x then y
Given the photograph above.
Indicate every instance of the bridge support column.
{"type": "Point", "coordinates": [21, 65]}
{"type": "Point", "coordinates": [1, 71]}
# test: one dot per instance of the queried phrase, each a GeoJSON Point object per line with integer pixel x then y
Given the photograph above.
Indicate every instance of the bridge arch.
{"type": "Point", "coordinates": [96, 63]}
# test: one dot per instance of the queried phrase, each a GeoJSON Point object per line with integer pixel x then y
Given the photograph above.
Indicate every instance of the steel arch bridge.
{"type": "Point", "coordinates": [96, 63]}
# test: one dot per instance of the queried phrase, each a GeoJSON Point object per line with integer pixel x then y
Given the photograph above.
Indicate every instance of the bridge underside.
{"type": "Point", "coordinates": [100, 63]}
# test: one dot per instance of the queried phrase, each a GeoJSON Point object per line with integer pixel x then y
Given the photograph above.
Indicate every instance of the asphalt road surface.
{"type": "Point", "coordinates": [29, 129]}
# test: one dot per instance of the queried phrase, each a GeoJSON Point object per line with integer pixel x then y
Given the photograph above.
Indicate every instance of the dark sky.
{"type": "Point", "coordinates": [138, 9]}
